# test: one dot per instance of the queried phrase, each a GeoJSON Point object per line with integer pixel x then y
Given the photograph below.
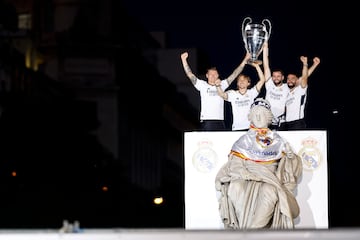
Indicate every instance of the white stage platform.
{"type": "Point", "coordinates": [180, 234]}
{"type": "Point", "coordinates": [206, 152]}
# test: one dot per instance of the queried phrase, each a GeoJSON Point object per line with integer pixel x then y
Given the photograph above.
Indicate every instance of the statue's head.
{"type": "Point", "coordinates": [260, 113]}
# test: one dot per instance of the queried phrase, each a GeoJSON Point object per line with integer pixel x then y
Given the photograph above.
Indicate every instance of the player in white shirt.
{"type": "Point", "coordinates": [242, 98]}
{"type": "Point", "coordinates": [296, 100]}
{"type": "Point", "coordinates": [212, 105]}
{"type": "Point", "coordinates": [276, 91]}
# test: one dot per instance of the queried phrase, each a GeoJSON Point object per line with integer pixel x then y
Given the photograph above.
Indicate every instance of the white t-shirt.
{"type": "Point", "coordinates": [240, 105]}
{"type": "Point", "coordinates": [276, 95]}
{"type": "Point", "coordinates": [212, 105]}
{"type": "Point", "coordinates": [295, 104]}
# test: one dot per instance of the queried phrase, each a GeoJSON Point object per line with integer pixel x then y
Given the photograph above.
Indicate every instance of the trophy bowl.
{"type": "Point", "coordinates": [254, 35]}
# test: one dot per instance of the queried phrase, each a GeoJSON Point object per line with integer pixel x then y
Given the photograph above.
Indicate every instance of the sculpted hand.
{"type": "Point", "coordinates": [289, 152]}
{"type": "Point", "coordinates": [246, 175]}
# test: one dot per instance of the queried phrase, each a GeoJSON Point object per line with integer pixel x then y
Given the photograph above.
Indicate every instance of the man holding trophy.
{"type": "Point", "coordinates": [255, 37]}
{"type": "Point", "coordinates": [276, 91]}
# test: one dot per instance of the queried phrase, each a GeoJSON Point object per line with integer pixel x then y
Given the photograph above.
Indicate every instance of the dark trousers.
{"type": "Point", "coordinates": [295, 125]}
{"type": "Point", "coordinates": [212, 125]}
{"type": "Point", "coordinates": [277, 127]}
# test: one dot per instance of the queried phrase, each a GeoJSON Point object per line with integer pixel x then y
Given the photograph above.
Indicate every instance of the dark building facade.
{"type": "Point", "coordinates": [87, 122]}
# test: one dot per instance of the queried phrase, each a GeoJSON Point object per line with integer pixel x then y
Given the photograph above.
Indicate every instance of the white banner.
{"type": "Point", "coordinates": [206, 152]}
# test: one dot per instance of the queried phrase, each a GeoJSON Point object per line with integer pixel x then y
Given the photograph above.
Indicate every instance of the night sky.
{"type": "Point", "coordinates": [298, 28]}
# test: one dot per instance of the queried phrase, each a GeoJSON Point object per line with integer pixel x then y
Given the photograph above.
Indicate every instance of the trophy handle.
{"type": "Point", "coordinates": [243, 26]}
{"type": "Point", "coordinates": [268, 30]}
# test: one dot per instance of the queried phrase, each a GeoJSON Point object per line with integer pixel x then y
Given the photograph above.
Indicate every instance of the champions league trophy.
{"type": "Point", "coordinates": [254, 36]}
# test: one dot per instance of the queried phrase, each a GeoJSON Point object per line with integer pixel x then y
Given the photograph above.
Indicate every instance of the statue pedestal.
{"type": "Point", "coordinates": [206, 152]}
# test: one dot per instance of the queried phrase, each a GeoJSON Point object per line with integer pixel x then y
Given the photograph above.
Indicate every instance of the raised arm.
{"type": "Point", "coordinates": [261, 76]}
{"type": "Point", "coordinates": [305, 72]}
{"type": "Point", "coordinates": [239, 69]}
{"type": "Point", "coordinates": [219, 90]}
{"type": "Point", "coordinates": [266, 64]}
{"type": "Point", "coordinates": [187, 68]}
{"type": "Point", "coordinates": [316, 62]}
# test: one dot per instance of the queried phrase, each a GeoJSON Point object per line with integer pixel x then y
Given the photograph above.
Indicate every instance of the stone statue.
{"type": "Point", "coordinates": [256, 185]}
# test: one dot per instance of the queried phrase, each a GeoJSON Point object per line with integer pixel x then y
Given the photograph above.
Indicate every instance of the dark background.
{"type": "Point", "coordinates": [47, 135]}
{"type": "Point", "coordinates": [298, 28]}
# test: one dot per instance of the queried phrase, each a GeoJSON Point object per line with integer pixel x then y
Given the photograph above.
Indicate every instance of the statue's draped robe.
{"type": "Point", "coordinates": [257, 183]}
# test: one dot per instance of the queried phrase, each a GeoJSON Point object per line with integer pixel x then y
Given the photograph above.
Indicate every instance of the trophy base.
{"type": "Point", "coordinates": [256, 61]}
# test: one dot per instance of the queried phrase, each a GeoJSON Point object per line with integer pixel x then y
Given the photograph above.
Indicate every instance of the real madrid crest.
{"type": "Point", "coordinates": [310, 154]}
{"type": "Point", "coordinates": [204, 158]}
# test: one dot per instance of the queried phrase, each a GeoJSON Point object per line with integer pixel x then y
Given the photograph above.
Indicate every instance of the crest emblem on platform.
{"type": "Point", "coordinates": [310, 154]}
{"type": "Point", "coordinates": [204, 158]}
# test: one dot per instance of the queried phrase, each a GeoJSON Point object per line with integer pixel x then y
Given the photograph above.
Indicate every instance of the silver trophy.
{"type": "Point", "coordinates": [254, 36]}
